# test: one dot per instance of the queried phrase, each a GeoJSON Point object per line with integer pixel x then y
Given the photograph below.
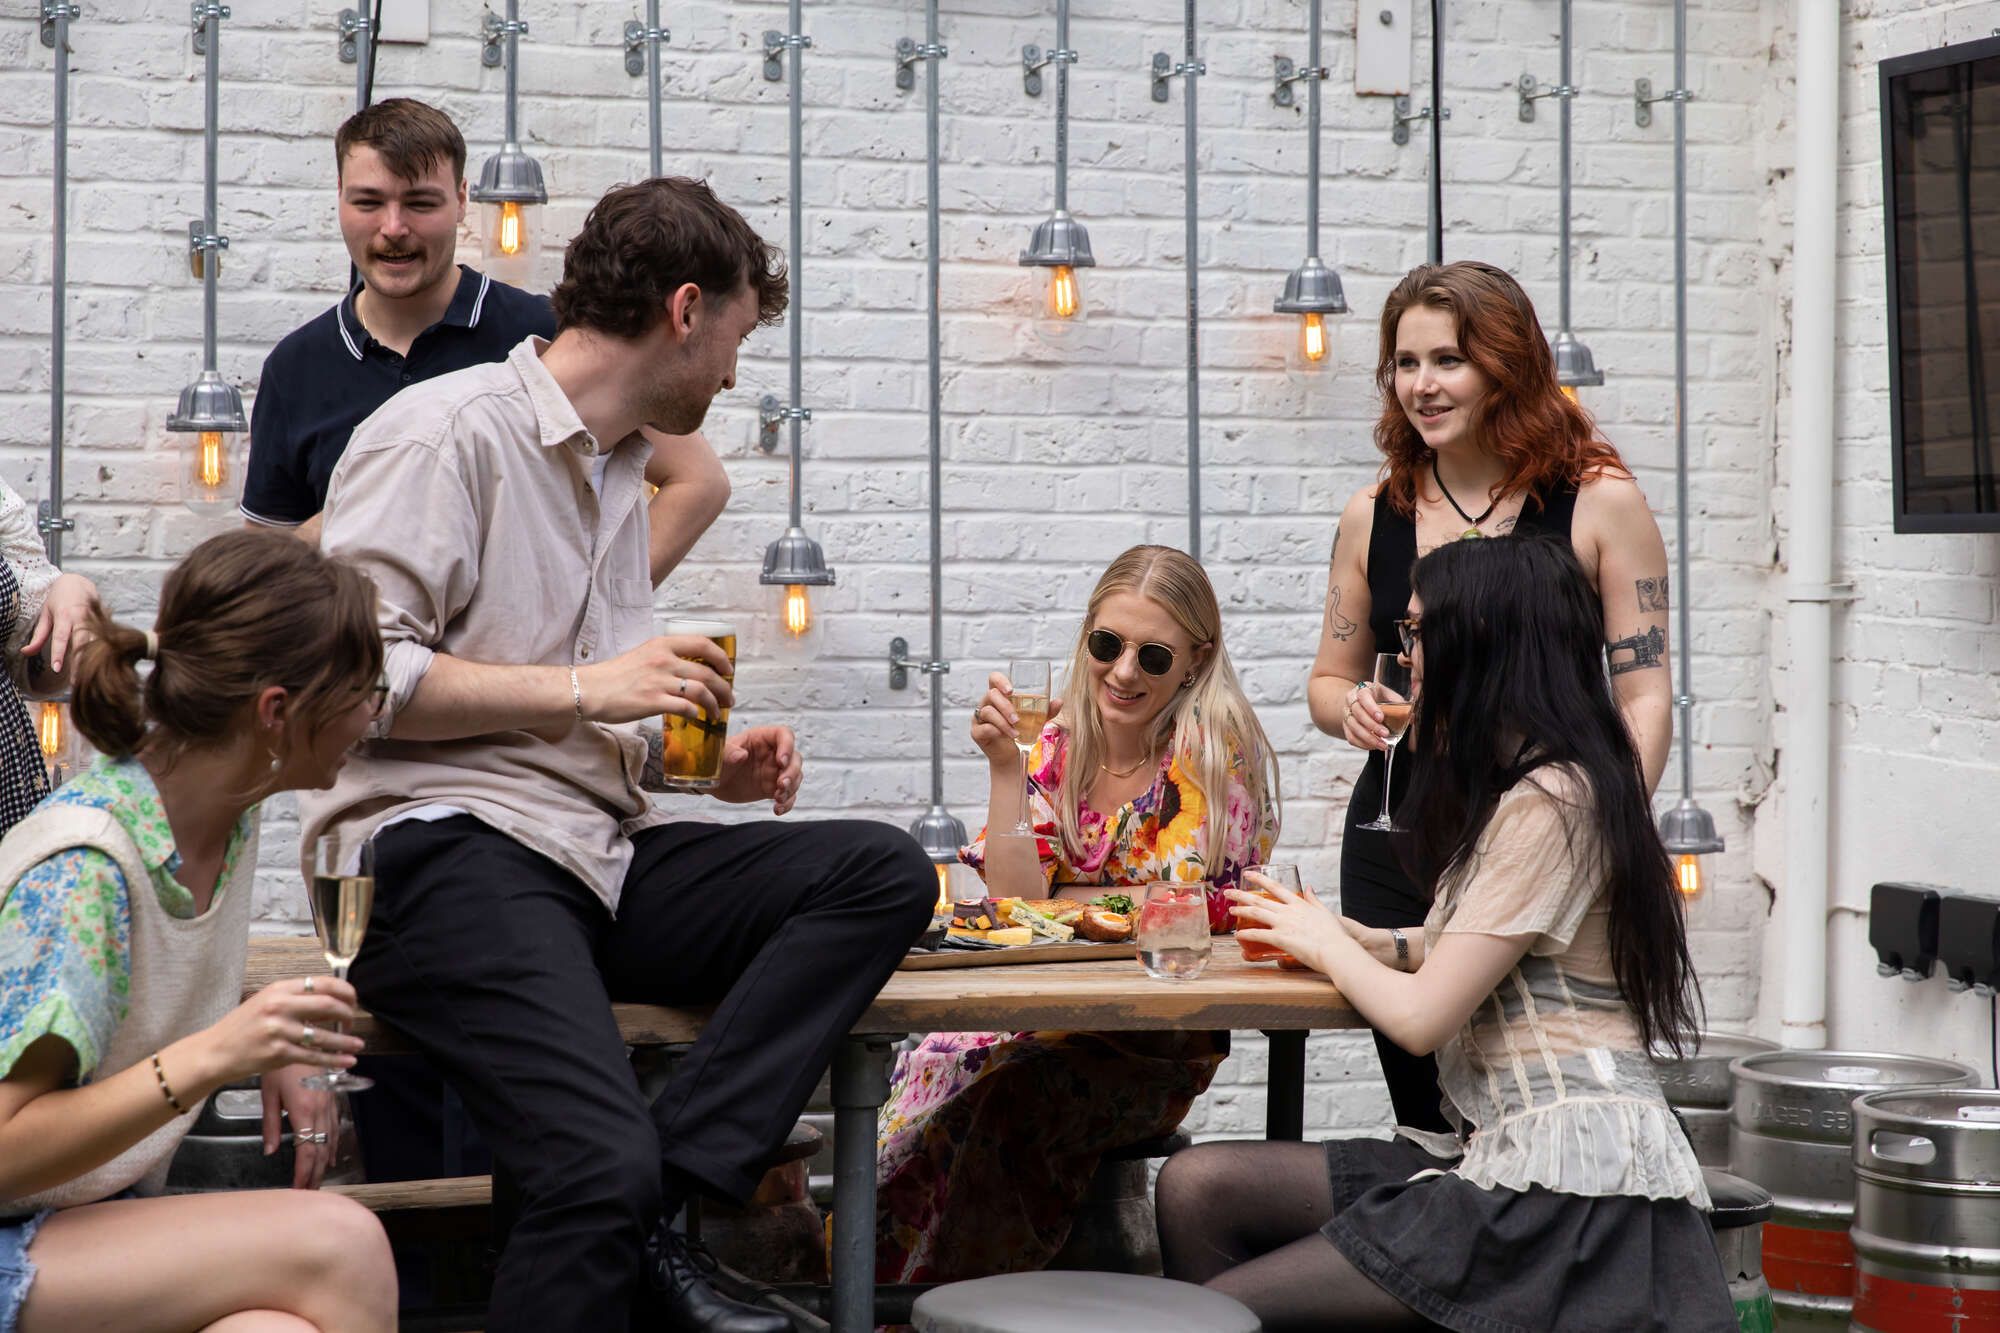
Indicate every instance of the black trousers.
{"type": "Point", "coordinates": [1375, 891]}
{"type": "Point", "coordinates": [502, 967]}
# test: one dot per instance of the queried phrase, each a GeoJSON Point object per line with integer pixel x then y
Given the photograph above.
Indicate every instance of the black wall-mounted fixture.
{"type": "Point", "coordinates": [1903, 929]}
{"type": "Point", "coordinates": [1969, 942]}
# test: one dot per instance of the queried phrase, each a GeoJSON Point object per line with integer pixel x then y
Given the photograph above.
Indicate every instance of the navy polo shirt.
{"type": "Point", "coordinates": [328, 376]}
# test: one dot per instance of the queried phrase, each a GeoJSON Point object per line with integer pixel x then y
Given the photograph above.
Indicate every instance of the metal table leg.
{"type": "Point", "coordinates": [860, 1086]}
{"type": "Point", "coordinates": [1285, 1089]}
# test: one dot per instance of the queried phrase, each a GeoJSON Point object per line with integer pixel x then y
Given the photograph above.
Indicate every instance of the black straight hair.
{"type": "Point", "coordinates": [1513, 652]}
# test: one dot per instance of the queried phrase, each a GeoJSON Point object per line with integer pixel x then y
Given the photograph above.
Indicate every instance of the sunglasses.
{"type": "Point", "coordinates": [1107, 646]}
{"type": "Point", "coordinates": [1409, 631]}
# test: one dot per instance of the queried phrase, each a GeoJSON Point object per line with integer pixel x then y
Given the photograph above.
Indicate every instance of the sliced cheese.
{"type": "Point", "coordinates": [1039, 924]}
{"type": "Point", "coordinates": [1012, 935]}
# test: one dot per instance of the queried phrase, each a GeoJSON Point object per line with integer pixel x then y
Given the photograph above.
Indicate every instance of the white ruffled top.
{"type": "Point", "coordinates": [1547, 1079]}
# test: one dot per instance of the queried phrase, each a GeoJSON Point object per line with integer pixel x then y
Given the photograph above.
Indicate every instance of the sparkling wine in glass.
{"type": "Point", "coordinates": [342, 894]}
{"type": "Point", "coordinates": [1396, 698]}
{"type": "Point", "coordinates": [1030, 682]}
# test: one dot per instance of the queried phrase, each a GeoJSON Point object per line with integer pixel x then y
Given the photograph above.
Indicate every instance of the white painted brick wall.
{"type": "Point", "coordinates": [1052, 462]}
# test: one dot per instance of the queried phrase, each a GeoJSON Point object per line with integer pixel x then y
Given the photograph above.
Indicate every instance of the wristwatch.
{"type": "Point", "coordinates": [1402, 949]}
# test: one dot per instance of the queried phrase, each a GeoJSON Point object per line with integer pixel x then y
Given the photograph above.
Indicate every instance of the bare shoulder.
{"type": "Point", "coordinates": [1611, 497]}
{"type": "Point", "coordinates": [1357, 523]}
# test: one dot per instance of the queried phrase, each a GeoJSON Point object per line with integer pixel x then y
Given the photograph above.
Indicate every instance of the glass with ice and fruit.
{"type": "Point", "coordinates": [1172, 929]}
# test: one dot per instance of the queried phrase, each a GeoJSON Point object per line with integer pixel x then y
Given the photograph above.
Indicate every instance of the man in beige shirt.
{"type": "Point", "coordinates": [523, 879]}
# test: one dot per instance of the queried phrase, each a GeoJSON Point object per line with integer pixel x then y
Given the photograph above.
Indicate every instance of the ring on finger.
{"type": "Point", "coordinates": [682, 686]}
{"type": "Point", "coordinates": [308, 1037]}
{"type": "Point", "coordinates": [317, 1136]}
{"type": "Point", "coordinates": [308, 988]}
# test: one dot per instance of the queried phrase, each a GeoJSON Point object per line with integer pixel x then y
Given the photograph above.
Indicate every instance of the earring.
{"type": "Point", "coordinates": [276, 763]}
{"type": "Point", "coordinates": [1187, 681]}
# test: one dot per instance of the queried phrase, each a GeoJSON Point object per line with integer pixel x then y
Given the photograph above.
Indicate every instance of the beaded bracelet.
{"type": "Point", "coordinates": [160, 1073]}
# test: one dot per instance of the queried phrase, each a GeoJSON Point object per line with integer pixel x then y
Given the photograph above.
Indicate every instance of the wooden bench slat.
{"type": "Point", "coordinates": [391, 1196]}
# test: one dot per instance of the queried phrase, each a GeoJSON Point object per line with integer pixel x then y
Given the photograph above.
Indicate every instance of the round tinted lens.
{"type": "Point", "coordinates": [1106, 646]}
{"type": "Point", "coordinates": [1155, 659]}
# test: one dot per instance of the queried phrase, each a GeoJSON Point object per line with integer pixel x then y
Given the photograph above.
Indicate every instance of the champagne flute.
{"type": "Point", "coordinates": [1030, 682]}
{"type": "Point", "coordinates": [342, 893]}
{"type": "Point", "coordinates": [1393, 695]}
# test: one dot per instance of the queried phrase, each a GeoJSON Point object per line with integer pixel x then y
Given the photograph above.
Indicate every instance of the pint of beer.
{"type": "Point", "coordinates": [692, 760]}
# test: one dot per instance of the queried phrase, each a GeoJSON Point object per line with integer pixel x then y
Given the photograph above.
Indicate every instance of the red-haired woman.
{"type": "Point", "coordinates": [1478, 441]}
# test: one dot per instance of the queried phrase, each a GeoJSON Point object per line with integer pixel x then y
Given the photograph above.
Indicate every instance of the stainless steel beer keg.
{"type": "Point", "coordinates": [1697, 1087]}
{"type": "Point", "coordinates": [1927, 1211]}
{"type": "Point", "coordinates": [1790, 1130]}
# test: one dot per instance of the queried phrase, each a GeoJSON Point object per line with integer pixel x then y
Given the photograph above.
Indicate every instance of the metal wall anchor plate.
{"type": "Point", "coordinates": [1400, 129]}
{"type": "Point", "coordinates": [908, 52]}
{"type": "Point", "coordinates": [637, 35]}
{"type": "Point", "coordinates": [1165, 67]}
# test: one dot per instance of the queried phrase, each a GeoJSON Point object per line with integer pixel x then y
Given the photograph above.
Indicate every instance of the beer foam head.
{"type": "Point", "coordinates": [707, 628]}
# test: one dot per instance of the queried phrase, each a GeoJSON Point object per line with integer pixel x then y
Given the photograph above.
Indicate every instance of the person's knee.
{"type": "Point", "coordinates": [344, 1250]}
{"type": "Point", "coordinates": [891, 868]}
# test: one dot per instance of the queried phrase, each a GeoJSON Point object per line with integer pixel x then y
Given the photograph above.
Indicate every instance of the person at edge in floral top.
{"type": "Point", "coordinates": [124, 924]}
{"type": "Point", "coordinates": [1553, 958]}
{"type": "Point", "coordinates": [1154, 768]}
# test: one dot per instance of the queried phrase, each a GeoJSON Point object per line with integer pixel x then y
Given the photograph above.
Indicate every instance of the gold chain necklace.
{"type": "Point", "coordinates": [1128, 772]}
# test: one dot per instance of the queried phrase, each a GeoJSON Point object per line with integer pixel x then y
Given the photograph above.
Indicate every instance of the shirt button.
{"type": "Point", "coordinates": [584, 653]}
{"type": "Point", "coordinates": [406, 377]}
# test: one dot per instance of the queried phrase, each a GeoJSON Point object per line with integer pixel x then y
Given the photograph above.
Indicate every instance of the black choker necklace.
{"type": "Point", "coordinates": [1484, 514]}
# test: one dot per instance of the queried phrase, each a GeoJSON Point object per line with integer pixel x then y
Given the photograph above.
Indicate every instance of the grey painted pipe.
{"type": "Point", "coordinates": [1192, 240]}
{"type": "Point", "coordinates": [794, 320]}
{"type": "Point", "coordinates": [211, 259]}
{"type": "Point", "coordinates": [1684, 589]}
{"type": "Point", "coordinates": [931, 289]}
{"type": "Point", "coordinates": [653, 92]}
{"type": "Point", "coordinates": [59, 289]}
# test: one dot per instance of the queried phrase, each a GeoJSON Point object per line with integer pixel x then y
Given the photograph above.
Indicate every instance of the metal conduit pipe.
{"type": "Point", "coordinates": [1809, 539]}
{"type": "Point", "coordinates": [1193, 71]}
{"type": "Point", "coordinates": [56, 17]}
{"type": "Point", "coordinates": [654, 156]}
{"type": "Point", "coordinates": [1434, 236]}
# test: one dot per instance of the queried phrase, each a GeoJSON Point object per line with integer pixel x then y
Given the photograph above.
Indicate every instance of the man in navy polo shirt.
{"type": "Point", "coordinates": [417, 313]}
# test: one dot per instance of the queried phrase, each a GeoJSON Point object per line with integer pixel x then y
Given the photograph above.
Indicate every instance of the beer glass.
{"type": "Point", "coordinates": [691, 755]}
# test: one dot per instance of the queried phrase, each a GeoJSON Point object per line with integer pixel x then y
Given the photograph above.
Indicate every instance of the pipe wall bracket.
{"type": "Point", "coordinates": [54, 12]}
{"type": "Point", "coordinates": [1034, 60]}
{"type": "Point", "coordinates": [493, 35]}
{"type": "Point", "coordinates": [908, 52]}
{"type": "Point", "coordinates": [901, 665]}
{"type": "Point", "coordinates": [1165, 67]}
{"type": "Point", "coordinates": [775, 45]}
{"type": "Point", "coordinates": [1531, 91]}
{"type": "Point", "coordinates": [637, 37]}
{"type": "Point", "coordinates": [1399, 129]}
{"type": "Point", "coordinates": [771, 417]}
{"type": "Point", "coordinates": [1643, 99]}
{"type": "Point", "coordinates": [1285, 72]}
{"type": "Point", "coordinates": [351, 26]}
{"type": "Point", "coordinates": [199, 13]}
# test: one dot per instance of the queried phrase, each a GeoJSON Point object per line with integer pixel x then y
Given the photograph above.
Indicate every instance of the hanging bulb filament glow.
{"type": "Point", "coordinates": [511, 231]}
{"type": "Point", "coordinates": [210, 467]}
{"type": "Point", "coordinates": [798, 609]}
{"type": "Point", "coordinates": [1312, 336]}
{"type": "Point", "coordinates": [1687, 868]}
{"type": "Point", "coordinates": [1065, 293]}
{"type": "Point", "coordinates": [50, 729]}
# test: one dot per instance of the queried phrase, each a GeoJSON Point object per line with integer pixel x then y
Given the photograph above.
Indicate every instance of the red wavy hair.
{"type": "Point", "coordinates": [1525, 420]}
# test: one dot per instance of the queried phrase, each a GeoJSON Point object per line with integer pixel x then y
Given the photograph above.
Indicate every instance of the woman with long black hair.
{"type": "Point", "coordinates": [1554, 956]}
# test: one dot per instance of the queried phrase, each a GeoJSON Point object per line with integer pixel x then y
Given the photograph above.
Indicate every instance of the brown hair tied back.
{"type": "Point", "coordinates": [244, 611]}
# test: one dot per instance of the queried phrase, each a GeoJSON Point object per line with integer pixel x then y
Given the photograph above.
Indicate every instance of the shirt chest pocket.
{"type": "Point", "coordinates": [629, 616]}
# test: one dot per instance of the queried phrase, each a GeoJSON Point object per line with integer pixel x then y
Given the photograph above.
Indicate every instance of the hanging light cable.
{"type": "Point", "coordinates": [1060, 245]}
{"type": "Point", "coordinates": [1575, 367]}
{"type": "Point", "coordinates": [511, 191]}
{"type": "Point", "coordinates": [1312, 290]}
{"type": "Point", "coordinates": [939, 831]}
{"type": "Point", "coordinates": [1687, 830]}
{"type": "Point", "coordinates": [794, 564]}
{"type": "Point", "coordinates": [210, 410]}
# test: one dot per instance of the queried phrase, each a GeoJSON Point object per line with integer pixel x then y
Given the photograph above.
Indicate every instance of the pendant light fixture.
{"type": "Point", "coordinates": [1061, 245]}
{"type": "Point", "coordinates": [511, 191]}
{"type": "Point", "coordinates": [210, 412]}
{"type": "Point", "coordinates": [937, 830]}
{"type": "Point", "coordinates": [794, 564]}
{"type": "Point", "coordinates": [1687, 830]}
{"type": "Point", "coordinates": [1575, 367]}
{"type": "Point", "coordinates": [1312, 290]}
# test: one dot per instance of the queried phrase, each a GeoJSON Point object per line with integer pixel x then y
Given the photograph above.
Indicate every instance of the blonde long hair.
{"type": "Point", "coordinates": [1207, 721]}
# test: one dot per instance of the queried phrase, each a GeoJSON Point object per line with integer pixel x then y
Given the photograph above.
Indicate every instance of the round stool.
{"type": "Point", "coordinates": [1741, 1208]}
{"type": "Point", "coordinates": [1078, 1303]}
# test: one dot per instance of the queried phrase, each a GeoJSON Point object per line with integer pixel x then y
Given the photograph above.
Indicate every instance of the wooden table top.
{"type": "Point", "coordinates": [1101, 996]}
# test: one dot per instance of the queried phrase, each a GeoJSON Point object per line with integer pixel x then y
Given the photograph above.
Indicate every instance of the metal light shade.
{"type": "Point", "coordinates": [940, 833]}
{"type": "Point", "coordinates": [510, 176]}
{"type": "Point", "coordinates": [1689, 830]}
{"type": "Point", "coordinates": [1575, 367]}
{"type": "Point", "coordinates": [209, 404]}
{"type": "Point", "coordinates": [796, 559]}
{"type": "Point", "coordinates": [1060, 241]}
{"type": "Point", "coordinates": [1312, 289]}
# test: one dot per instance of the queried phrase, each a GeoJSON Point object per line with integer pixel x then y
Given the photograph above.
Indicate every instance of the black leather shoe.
{"type": "Point", "coordinates": [685, 1299]}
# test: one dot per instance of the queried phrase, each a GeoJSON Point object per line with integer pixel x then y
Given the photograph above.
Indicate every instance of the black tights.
{"type": "Point", "coordinates": [1244, 1219]}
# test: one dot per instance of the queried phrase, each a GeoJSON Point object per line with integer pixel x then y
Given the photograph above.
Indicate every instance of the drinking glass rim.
{"type": "Point", "coordinates": [706, 626]}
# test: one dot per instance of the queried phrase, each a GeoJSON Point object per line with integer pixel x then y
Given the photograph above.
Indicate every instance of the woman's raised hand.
{"type": "Point", "coordinates": [1361, 719]}
{"type": "Point", "coordinates": [287, 1023]}
{"type": "Point", "coordinates": [993, 722]}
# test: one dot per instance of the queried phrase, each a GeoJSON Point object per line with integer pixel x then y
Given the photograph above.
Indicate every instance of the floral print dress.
{"type": "Point", "coordinates": [989, 1140]}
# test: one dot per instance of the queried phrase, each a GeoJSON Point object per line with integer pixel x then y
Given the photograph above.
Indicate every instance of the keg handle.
{"type": "Point", "coordinates": [1911, 1149]}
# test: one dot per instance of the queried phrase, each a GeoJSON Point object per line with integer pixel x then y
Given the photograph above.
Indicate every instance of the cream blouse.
{"type": "Point", "coordinates": [1547, 1080]}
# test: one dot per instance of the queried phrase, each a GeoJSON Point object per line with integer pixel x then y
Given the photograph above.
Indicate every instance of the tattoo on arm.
{"type": "Point", "coordinates": [1506, 525]}
{"type": "Point", "coordinates": [1648, 650]}
{"type": "Point", "coordinates": [1652, 593]}
{"type": "Point", "coordinates": [653, 774]}
{"type": "Point", "coordinates": [1338, 626]}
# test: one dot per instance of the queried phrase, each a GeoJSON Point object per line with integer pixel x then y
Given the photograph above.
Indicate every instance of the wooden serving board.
{"type": "Point", "coordinates": [1093, 951]}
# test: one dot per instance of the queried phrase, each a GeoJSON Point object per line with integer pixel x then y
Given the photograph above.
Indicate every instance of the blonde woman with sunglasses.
{"type": "Point", "coordinates": [1152, 766]}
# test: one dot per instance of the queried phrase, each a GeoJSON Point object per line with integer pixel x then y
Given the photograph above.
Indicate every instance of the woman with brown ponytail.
{"type": "Point", "coordinates": [124, 915]}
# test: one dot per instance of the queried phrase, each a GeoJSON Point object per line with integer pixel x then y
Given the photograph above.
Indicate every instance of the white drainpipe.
{"type": "Point", "coordinates": [1802, 901]}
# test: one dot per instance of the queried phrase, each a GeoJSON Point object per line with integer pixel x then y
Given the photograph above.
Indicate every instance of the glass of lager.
{"type": "Point", "coordinates": [692, 753]}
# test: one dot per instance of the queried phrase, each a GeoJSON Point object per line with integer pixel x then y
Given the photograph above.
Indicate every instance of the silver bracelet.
{"type": "Point", "coordinates": [1402, 949]}
{"type": "Point", "coordinates": [576, 693]}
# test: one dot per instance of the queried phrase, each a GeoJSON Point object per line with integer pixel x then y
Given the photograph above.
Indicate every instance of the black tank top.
{"type": "Point", "coordinates": [1392, 549]}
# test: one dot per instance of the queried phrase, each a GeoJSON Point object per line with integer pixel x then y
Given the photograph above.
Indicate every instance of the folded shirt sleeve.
{"type": "Point", "coordinates": [65, 957]}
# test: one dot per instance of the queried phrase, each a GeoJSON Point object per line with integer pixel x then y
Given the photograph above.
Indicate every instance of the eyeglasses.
{"type": "Point", "coordinates": [1410, 630]}
{"type": "Point", "coordinates": [1107, 646]}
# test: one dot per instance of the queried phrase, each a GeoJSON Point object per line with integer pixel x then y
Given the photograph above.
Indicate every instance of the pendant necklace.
{"type": "Point", "coordinates": [1128, 772]}
{"type": "Point", "coordinates": [1484, 514]}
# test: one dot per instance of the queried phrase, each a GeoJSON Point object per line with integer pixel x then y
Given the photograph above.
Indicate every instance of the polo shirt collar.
{"type": "Point", "coordinates": [556, 421]}
{"type": "Point", "coordinates": [467, 303]}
